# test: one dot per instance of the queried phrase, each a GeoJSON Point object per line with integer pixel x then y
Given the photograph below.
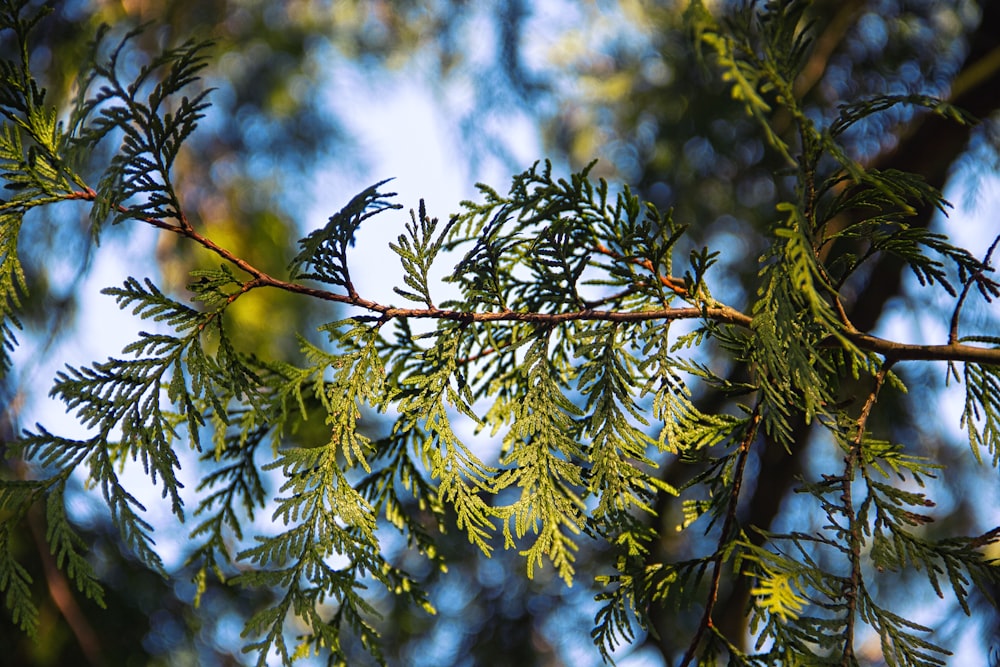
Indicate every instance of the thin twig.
{"type": "Point", "coordinates": [855, 540]}
{"type": "Point", "coordinates": [676, 285]}
{"type": "Point", "coordinates": [973, 279]}
{"type": "Point", "coordinates": [727, 530]}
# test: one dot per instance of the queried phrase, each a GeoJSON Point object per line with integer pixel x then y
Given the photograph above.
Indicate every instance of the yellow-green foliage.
{"type": "Point", "coordinates": [588, 394]}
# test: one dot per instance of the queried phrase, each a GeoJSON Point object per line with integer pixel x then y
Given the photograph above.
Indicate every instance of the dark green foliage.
{"type": "Point", "coordinates": [324, 252]}
{"type": "Point", "coordinates": [151, 131]}
{"type": "Point", "coordinates": [558, 343]}
{"type": "Point", "coordinates": [31, 145]}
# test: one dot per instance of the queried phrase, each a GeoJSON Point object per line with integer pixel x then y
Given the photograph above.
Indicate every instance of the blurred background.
{"type": "Point", "coordinates": [315, 101]}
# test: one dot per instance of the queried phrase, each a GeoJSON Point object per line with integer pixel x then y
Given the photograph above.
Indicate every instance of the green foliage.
{"type": "Point", "coordinates": [558, 339]}
{"type": "Point", "coordinates": [324, 251]}
{"type": "Point", "coordinates": [31, 145]}
{"type": "Point", "coordinates": [151, 131]}
{"type": "Point", "coordinates": [981, 417]}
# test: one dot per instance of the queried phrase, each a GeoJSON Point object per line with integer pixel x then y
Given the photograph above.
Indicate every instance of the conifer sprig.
{"type": "Point", "coordinates": [324, 252]}
{"type": "Point", "coordinates": [558, 345]}
{"type": "Point", "coordinates": [151, 126]}
{"type": "Point", "coordinates": [31, 165]}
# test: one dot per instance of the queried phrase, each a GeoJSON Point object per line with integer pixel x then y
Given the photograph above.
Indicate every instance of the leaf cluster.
{"type": "Point", "coordinates": [558, 351]}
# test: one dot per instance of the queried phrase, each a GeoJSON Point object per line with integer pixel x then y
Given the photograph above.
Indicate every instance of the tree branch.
{"type": "Point", "coordinates": [717, 313]}
{"type": "Point", "coordinates": [727, 531]}
{"type": "Point", "coordinates": [62, 594]}
{"type": "Point", "coordinates": [852, 461]}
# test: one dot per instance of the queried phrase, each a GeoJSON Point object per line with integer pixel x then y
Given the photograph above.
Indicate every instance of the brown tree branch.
{"type": "Point", "coordinates": [715, 312]}
{"type": "Point", "coordinates": [826, 44]}
{"type": "Point", "coordinates": [62, 594]}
